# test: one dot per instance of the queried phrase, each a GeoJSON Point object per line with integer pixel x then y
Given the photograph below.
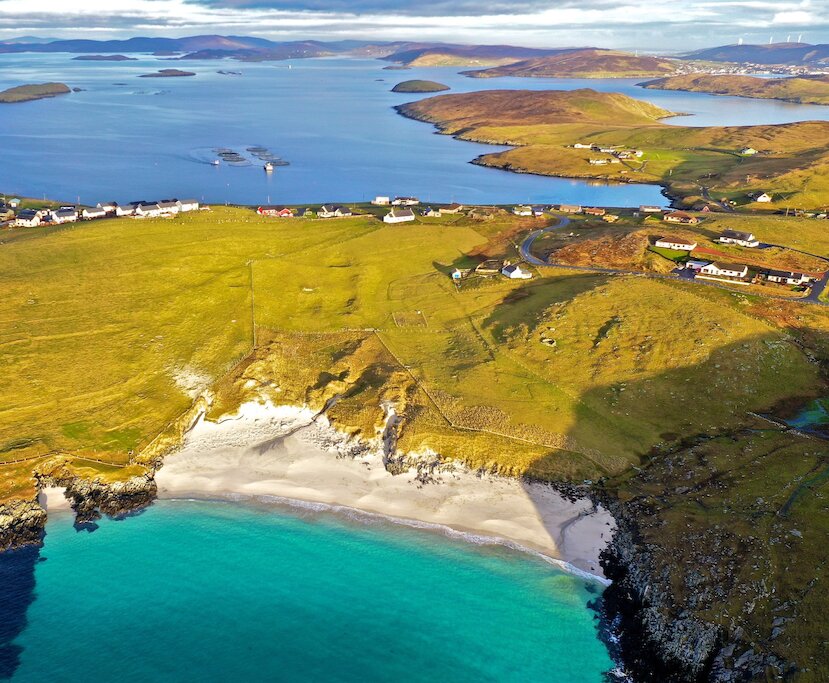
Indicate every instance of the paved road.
{"type": "Point", "coordinates": [525, 249]}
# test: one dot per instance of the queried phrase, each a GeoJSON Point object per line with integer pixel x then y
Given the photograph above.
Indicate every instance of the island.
{"type": "Point", "coordinates": [104, 58]}
{"type": "Point", "coordinates": [168, 73]}
{"type": "Point", "coordinates": [612, 137]}
{"type": "Point", "coordinates": [587, 63]}
{"type": "Point", "coordinates": [27, 93]}
{"type": "Point", "coordinates": [800, 89]}
{"type": "Point", "coordinates": [416, 86]}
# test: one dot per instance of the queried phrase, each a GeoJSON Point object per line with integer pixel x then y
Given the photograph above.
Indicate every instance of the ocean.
{"type": "Point", "coordinates": [210, 591]}
{"type": "Point", "coordinates": [127, 138]}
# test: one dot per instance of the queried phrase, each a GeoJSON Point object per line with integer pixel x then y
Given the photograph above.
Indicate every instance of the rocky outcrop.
{"type": "Point", "coordinates": [658, 643]}
{"type": "Point", "coordinates": [21, 523]}
{"type": "Point", "coordinates": [658, 639]}
{"type": "Point", "coordinates": [90, 498]}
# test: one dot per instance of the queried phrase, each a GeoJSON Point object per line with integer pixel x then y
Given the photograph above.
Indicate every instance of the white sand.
{"type": "Point", "coordinates": [267, 452]}
{"type": "Point", "coordinates": [52, 499]}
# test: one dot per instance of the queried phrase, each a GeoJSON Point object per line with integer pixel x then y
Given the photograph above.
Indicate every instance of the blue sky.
{"type": "Point", "coordinates": [664, 25]}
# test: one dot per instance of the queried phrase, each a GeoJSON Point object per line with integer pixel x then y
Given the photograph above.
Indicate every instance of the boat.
{"type": "Point", "coordinates": [268, 166]}
{"type": "Point", "coordinates": [215, 162]}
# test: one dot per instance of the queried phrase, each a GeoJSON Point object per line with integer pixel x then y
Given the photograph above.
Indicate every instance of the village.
{"type": "Point", "coordinates": [692, 263]}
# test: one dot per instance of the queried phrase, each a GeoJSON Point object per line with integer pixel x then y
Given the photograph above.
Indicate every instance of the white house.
{"type": "Point", "coordinates": [569, 208]}
{"type": "Point", "coordinates": [431, 212]}
{"type": "Point", "coordinates": [188, 205]}
{"type": "Point", "coordinates": [169, 206]}
{"type": "Point", "coordinates": [514, 272]}
{"type": "Point", "coordinates": [333, 211]}
{"type": "Point", "coordinates": [731, 270]}
{"type": "Point", "coordinates": [523, 210]}
{"type": "Point", "coordinates": [748, 151]}
{"type": "Point", "coordinates": [381, 201]}
{"type": "Point", "coordinates": [599, 162]}
{"type": "Point", "coordinates": [108, 207]}
{"type": "Point", "coordinates": [148, 209]}
{"type": "Point", "coordinates": [126, 209]}
{"type": "Point", "coordinates": [738, 237]}
{"type": "Point", "coordinates": [89, 213]}
{"type": "Point", "coordinates": [399, 216]}
{"type": "Point", "coordinates": [650, 209]}
{"type": "Point", "coordinates": [583, 145]}
{"type": "Point", "coordinates": [28, 218]}
{"type": "Point", "coordinates": [763, 198]}
{"type": "Point", "coordinates": [675, 243]}
{"type": "Point", "coordinates": [405, 201]}
{"type": "Point", "coordinates": [788, 277]}
{"type": "Point", "coordinates": [64, 216]}
{"type": "Point", "coordinates": [14, 202]}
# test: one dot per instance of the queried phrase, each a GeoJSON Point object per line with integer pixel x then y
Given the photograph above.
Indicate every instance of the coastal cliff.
{"type": "Point", "coordinates": [21, 523]}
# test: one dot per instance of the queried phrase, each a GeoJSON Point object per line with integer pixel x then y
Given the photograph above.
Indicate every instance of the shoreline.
{"type": "Point", "coordinates": [280, 455]}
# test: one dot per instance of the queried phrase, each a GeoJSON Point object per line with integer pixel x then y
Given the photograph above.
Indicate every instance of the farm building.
{"type": "Point", "coordinates": [738, 237]}
{"type": "Point", "coordinates": [680, 217]}
{"type": "Point", "coordinates": [569, 208]}
{"type": "Point", "coordinates": [89, 213]}
{"type": "Point", "coordinates": [381, 201]}
{"type": "Point", "coordinates": [399, 216]}
{"type": "Point", "coordinates": [405, 201]}
{"type": "Point", "coordinates": [649, 209]}
{"type": "Point", "coordinates": [515, 272]}
{"type": "Point", "coordinates": [189, 205]}
{"type": "Point", "coordinates": [453, 208]}
{"type": "Point", "coordinates": [275, 211]}
{"type": "Point", "coordinates": [676, 243]}
{"type": "Point", "coordinates": [594, 211]}
{"type": "Point", "coordinates": [787, 277]}
{"type": "Point", "coordinates": [729, 270]}
{"type": "Point", "coordinates": [523, 210]}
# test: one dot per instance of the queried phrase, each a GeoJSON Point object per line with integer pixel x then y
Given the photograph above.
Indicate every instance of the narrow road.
{"type": "Point", "coordinates": [525, 250]}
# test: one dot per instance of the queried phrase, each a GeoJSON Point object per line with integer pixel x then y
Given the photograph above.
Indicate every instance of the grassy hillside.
{"type": "Point", "coordinates": [26, 93]}
{"type": "Point", "coordinates": [588, 63]}
{"type": "Point", "coordinates": [804, 90]}
{"type": "Point", "coordinates": [792, 164]}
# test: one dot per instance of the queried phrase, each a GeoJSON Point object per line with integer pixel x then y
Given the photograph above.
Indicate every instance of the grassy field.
{"type": "Point", "coordinates": [111, 329]}
{"type": "Point", "coordinates": [791, 165]}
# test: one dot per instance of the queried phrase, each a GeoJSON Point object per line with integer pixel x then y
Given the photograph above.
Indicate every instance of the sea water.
{"type": "Point", "coordinates": [128, 138]}
{"type": "Point", "coordinates": [209, 591]}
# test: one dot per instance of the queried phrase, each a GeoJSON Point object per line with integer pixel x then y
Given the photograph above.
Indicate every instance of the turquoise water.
{"type": "Point", "coordinates": [192, 591]}
{"type": "Point", "coordinates": [814, 415]}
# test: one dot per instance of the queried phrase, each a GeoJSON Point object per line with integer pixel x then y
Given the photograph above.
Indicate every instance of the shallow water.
{"type": "Point", "coordinates": [126, 138]}
{"type": "Point", "coordinates": [219, 591]}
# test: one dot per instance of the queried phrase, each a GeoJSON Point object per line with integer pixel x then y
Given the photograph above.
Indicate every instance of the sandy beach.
{"type": "Point", "coordinates": [280, 454]}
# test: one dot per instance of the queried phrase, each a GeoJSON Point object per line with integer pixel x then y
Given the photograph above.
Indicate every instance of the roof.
{"type": "Point", "coordinates": [738, 235]}
{"type": "Point", "coordinates": [27, 213]}
{"type": "Point", "coordinates": [675, 240]}
{"type": "Point", "coordinates": [512, 268]}
{"type": "Point", "coordinates": [785, 273]}
{"type": "Point", "coordinates": [189, 201]}
{"type": "Point", "coordinates": [168, 203]}
{"type": "Point", "coordinates": [65, 212]}
{"type": "Point", "coordinates": [401, 213]}
{"type": "Point", "coordinates": [678, 214]}
{"type": "Point", "coordinates": [719, 265]}
{"type": "Point", "coordinates": [148, 205]}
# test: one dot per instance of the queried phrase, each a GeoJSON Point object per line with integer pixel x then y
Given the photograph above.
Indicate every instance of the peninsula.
{"type": "Point", "coordinates": [27, 93]}
{"type": "Point", "coordinates": [800, 89]}
{"type": "Point", "coordinates": [613, 137]}
{"type": "Point", "coordinates": [417, 86]}
{"type": "Point", "coordinates": [587, 63]}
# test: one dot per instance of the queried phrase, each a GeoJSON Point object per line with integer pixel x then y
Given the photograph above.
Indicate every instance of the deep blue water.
{"type": "Point", "coordinates": [332, 119]}
{"type": "Point", "coordinates": [193, 591]}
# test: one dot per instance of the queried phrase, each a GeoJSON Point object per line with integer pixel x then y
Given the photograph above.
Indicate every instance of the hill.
{"type": "Point", "coordinates": [466, 112]}
{"type": "Point", "coordinates": [801, 89]}
{"type": "Point", "coordinates": [588, 63]}
{"type": "Point", "coordinates": [693, 163]}
{"type": "Point", "coordinates": [419, 86]}
{"type": "Point", "coordinates": [27, 93]}
{"type": "Point", "coordinates": [104, 58]}
{"type": "Point", "coordinates": [467, 55]}
{"type": "Point", "coordinates": [791, 54]}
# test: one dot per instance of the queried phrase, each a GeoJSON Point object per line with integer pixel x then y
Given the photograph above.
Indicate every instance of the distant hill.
{"type": "Point", "coordinates": [804, 90]}
{"type": "Point", "coordinates": [584, 63]}
{"type": "Point", "coordinates": [103, 58]}
{"type": "Point", "coordinates": [791, 54]}
{"type": "Point", "coordinates": [419, 86]}
{"type": "Point", "coordinates": [26, 40]}
{"type": "Point", "coordinates": [467, 55]}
